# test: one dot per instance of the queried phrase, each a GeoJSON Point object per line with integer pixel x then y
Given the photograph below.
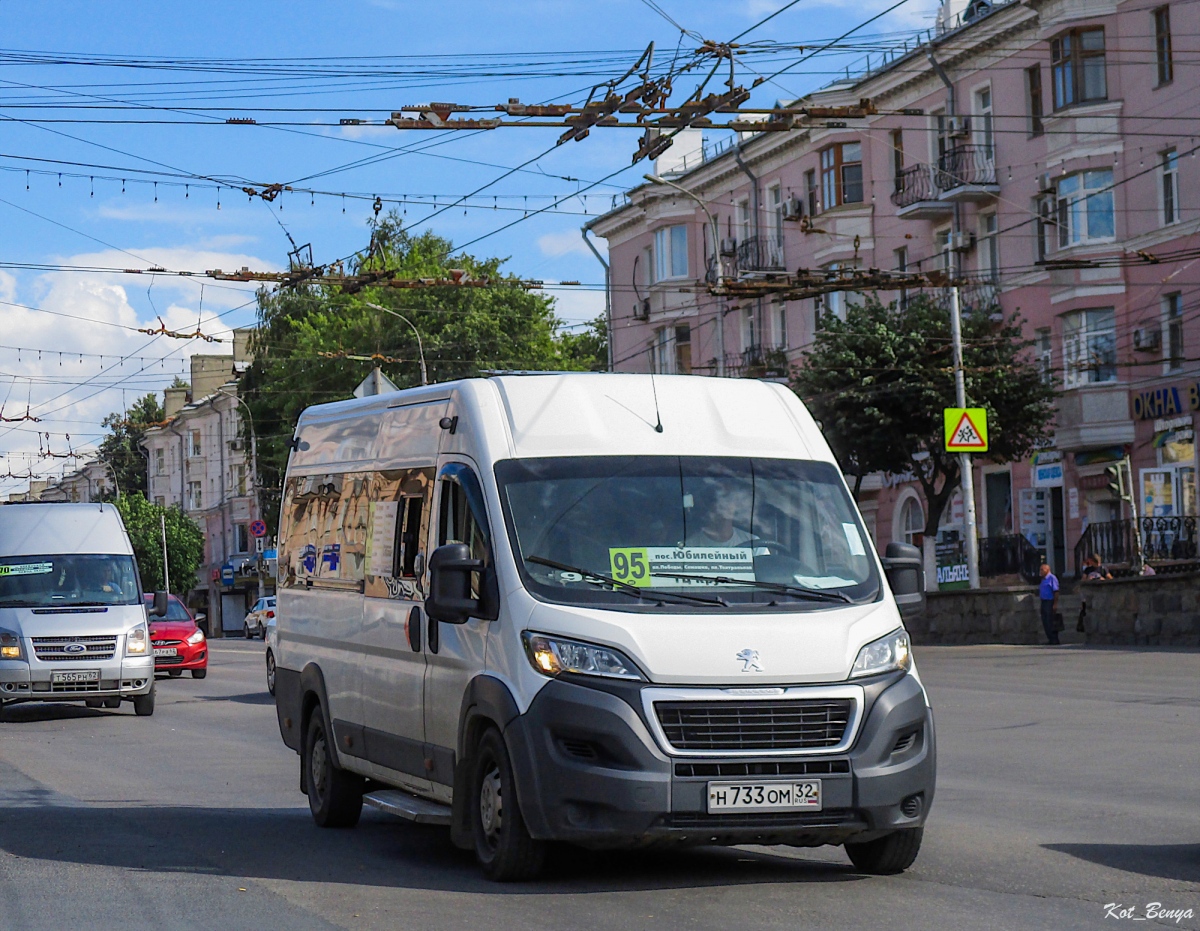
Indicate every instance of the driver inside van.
{"type": "Point", "coordinates": [715, 504]}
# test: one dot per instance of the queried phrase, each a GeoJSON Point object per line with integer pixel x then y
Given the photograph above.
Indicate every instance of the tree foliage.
{"type": "Point", "coordinates": [305, 334]}
{"type": "Point", "coordinates": [185, 543]}
{"type": "Point", "coordinates": [120, 448]}
{"type": "Point", "coordinates": [879, 380]}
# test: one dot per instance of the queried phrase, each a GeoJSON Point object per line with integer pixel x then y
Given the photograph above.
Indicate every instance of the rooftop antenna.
{"type": "Point", "coordinates": [657, 416]}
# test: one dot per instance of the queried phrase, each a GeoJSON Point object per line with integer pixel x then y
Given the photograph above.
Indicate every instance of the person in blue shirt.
{"type": "Point", "coordinates": [1048, 593]}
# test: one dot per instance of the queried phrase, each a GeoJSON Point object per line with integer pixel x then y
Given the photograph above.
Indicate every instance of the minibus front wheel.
{"type": "Point", "coordinates": [892, 853]}
{"type": "Point", "coordinates": [503, 847]}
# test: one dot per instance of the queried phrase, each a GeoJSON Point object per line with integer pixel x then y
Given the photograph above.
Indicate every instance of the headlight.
{"type": "Point", "coordinates": [137, 641]}
{"type": "Point", "coordinates": [883, 655]}
{"type": "Point", "coordinates": [197, 637]}
{"type": "Point", "coordinates": [552, 656]}
{"type": "Point", "coordinates": [10, 645]}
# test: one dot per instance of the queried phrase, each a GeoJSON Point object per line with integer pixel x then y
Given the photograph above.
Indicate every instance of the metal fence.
{"type": "Point", "coordinates": [966, 164]}
{"type": "Point", "coordinates": [1009, 554]}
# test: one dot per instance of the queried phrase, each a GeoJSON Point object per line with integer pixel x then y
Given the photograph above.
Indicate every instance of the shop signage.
{"type": "Point", "coordinates": [1166, 402]}
{"type": "Point", "coordinates": [1046, 468]}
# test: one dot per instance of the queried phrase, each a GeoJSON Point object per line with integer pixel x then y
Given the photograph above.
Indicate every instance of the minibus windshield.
{"type": "Point", "coordinates": [76, 580]}
{"type": "Point", "coordinates": [737, 530]}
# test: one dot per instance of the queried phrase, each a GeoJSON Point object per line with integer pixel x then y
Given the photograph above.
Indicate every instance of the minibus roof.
{"type": "Point", "coordinates": [59, 529]}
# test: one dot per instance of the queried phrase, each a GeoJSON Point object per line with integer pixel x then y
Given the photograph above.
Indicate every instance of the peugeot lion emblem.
{"type": "Point", "coordinates": [75, 648]}
{"type": "Point", "coordinates": [749, 660]}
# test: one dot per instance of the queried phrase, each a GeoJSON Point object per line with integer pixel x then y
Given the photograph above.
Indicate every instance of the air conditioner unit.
{"type": "Point", "coordinates": [1045, 183]}
{"type": "Point", "coordinates": [958, 127]}
{"type": "Point", "coordinates": [793, 209]}
{"type": "Point", "coordinates": [729, 246]}
{"type": "Point", "coordinates": [641, 310]}
{"type": "Point", "coordinates": [1147, 339]}
{"type": "Point", "coordinates": [961, 242]}
{"type": "Point", "coordinates": [236, 444]}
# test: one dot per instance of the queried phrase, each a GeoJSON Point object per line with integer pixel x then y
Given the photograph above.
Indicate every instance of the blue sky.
{"type": "Point", "coordinates": [91, 217]}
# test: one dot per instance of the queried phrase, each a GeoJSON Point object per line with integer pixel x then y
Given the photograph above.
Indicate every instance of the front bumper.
{"type": "Point", "coordinates": [589, 771]}
{"type": "Point", "coordinates": [119, 677]}
{"type": "Point", "coordinates": [188, 656]}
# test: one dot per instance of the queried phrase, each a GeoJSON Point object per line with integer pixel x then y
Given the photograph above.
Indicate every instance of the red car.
{"type": "Point", "coordinates": [177, 642]}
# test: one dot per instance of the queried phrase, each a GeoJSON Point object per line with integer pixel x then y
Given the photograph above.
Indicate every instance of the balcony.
{"type": "Point", "coordinates": [758, 362]}
{"type": "Point", "coordinates": [759, 254]}
{"type": "Point", "coordinates": [917, 194]}
{"type": "Point", "coordinates": [968, 173]}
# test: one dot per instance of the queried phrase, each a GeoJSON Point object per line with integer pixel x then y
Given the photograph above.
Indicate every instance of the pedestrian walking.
{"type": "Point", "coordinates": [1048, 594]}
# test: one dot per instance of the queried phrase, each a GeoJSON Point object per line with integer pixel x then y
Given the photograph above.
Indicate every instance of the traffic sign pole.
{"type": "Point", "coordinates": [964, 459]}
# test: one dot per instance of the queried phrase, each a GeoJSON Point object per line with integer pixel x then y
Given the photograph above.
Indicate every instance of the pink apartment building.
{"type": "Point", "coordinates": [1013, 135]}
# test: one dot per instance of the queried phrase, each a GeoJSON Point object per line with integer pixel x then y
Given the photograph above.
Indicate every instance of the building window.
{"type": "Point", "coordinates": [1084, 206]}
{"type": "Point", "coordinates": [1173, 324]}
{"type": "Point", "coordinates": [197, 449]}
{"type": "Point", "coordinates": [749, 330]}
{"type": "Point", "coordinates": [1077, 61]}
{"type": "Point", "coordinates": [989, 246]}
{"type": "Point", "coordinates": [841, 174]}
{"type": "Point", "coordinates": [683, 350]}
{"type": "Point", "coordinates": [901, 255]}
{"type": "Point", "coordinates": [744, 220]}
{"type": "Point", "coordinates": [237, 476]}
{"type": "Point", "coordinates": [779, 313]}
{"type": "Point", "coordinates": [1045, 350]}
{"type": "Point", "coordinates": [1033, 85]}
{"type": "Point", "coordinates": [670, 253]}
{"type": "Point", "coordinates": [660, 352]}
{"type": "Point", "coordinates": [194, 496]}
{"type": "Point", "coordinates": [1170, 186]}
{"type": "Point", "coordinates": [241, 539]}
{"type": "Point", "coordinates": [1162, 45]}
{"type": "Point", "coordinates": [160, 461]}
{"type": "Point", "coordinates": [160, 501]}
{"type": "Point", "coordinates": [982, 130]}
{"type": "Point", "coordinates": [774, 251]}
{"type": "Point", "coordinates": [912, 522]}
{"type": "Point", "coordinates": [898, 158]}
{"type": "Point", "coordinates": [1089, 347]}
{"type": "Point", "coordinates": [810, 191]}
{"type": "Point", "coordinates": [1043, 209]}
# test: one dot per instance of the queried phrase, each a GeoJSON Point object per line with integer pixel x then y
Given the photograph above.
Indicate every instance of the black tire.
{"type": "Point", "coordinates": [334, 795]}
{"type": "Point", "coordinates": [503, 847]}
{"type": "Point", "coordinates": [246, 631]}
{"type": "Point", "coordinates": [892, 853]}
{"type": "Point", "coordinates": [143, 705]}
{"type": "Point", "coordinates": [112, 703]}
{"type": "Point", "coordinates": [174, 673]}
{"type": "Point", "coordinates": [270, 672]}
{"type": "Point", "coordinates": [94, 702]}
{"type": "Point", "coordinates": [199, 673]}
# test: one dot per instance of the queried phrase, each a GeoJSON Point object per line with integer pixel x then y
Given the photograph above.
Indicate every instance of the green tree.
{"type": "Point", "coordinates": [120, 448]}
{"type": "Point", "coordinates": [185, 542]}
{"type": "Point", "coordinates": [306, 333]}
{"type": "Point", "coordinates": [879, 380]}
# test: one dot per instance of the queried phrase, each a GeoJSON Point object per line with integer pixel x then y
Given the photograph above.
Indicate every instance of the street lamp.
{"type": "Point", "coordinates": [416, 332]}
{"type": "Point", "coordinates": [657, 179]}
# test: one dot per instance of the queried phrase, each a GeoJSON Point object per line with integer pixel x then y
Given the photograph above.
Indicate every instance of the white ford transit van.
{"type": "Point", "coordinates": [73, 626]}
{"type": "Point", "coordinates": [615, 610]}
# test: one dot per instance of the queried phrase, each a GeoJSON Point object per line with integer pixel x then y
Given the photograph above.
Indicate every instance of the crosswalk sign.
{"type": "Point", "coordinates": [966, 429]}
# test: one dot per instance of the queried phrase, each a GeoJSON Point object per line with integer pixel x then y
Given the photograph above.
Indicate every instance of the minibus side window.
{"type": "Point", "coordinates": [458, 524]}
{"type": "Point", "coordinates": [408, 536]}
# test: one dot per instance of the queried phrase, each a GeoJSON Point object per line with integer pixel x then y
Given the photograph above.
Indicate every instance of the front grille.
{"type": "Point", "coordinates": [701, 821]}
{"type": "Point", "coordinates": [79, 686]}
{"type": "Point", "coordinates": [789, 768]}
{"type": "Point", "coordinates": [167, 660]}
{"type": "Point", "coordinates": [788, 724]}
{"type": "Point", "coordinates": [166, 643]}
{"type": "Point", "coordinates": [52, 649]}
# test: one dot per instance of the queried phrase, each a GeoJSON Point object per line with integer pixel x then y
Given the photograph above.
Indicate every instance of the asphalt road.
{"type": "Point", "coordinates": [1068, 781]}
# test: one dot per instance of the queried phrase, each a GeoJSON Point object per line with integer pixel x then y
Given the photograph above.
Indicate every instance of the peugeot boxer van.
{"type": "Point", "coordinates": [613, 610]}
{"type": "Point", "coordinates": [72, 623]}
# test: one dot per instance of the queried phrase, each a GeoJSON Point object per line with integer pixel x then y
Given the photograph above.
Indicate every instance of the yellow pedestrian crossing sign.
{"type": "Point", "coordinates": [966, 429]}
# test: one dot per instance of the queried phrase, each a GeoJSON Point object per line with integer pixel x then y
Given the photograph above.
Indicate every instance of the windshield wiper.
{"type": "Point", "coordinates": [625, 587]}
{"type": "Point", "coordinates": [779, 588]}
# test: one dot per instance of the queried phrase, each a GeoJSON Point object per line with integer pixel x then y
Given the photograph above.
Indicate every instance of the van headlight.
{"type": "Point", "coordinates": [883, 655]}
{"type": "Point", "coordinates": [137, 641]}
{"type": "Point", "coordinates": [197, 637]}
{"type": "Point", "coordinates": [10, 645]}
{"type": "Point", "coordinates": [552, 656]}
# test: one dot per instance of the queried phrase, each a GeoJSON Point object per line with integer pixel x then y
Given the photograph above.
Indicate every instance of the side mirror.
{"type": "Point", "coordinates": [450, 597]}
{"type": "Point", "coordinates": [905, 573]}
{"type": "Point", "coordinates": [160, 605]}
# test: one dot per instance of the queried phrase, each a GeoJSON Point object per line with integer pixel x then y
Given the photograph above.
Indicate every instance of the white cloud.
{"type": "Point", "coordinates": [576, 305]}
{"type": "Point", "coordinates": [563, 243]}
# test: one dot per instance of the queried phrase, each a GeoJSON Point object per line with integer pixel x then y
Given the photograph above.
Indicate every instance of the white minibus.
{"type": "Point", "coordinates": [613, 610]}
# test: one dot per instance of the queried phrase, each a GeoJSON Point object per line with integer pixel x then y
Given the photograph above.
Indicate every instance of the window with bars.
{"type": "Point", "coordinates": [1077, 63]}
{"type": "Point", "coordinates": [842, 174]}
{"type": "Point", "coordinates": [1162, 45]}
{"type": "Point", "coordinates": [1089, 347]}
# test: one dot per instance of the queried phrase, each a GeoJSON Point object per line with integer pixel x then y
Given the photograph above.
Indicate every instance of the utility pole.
{"type": "Point", "coordinates": [656, 179]}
